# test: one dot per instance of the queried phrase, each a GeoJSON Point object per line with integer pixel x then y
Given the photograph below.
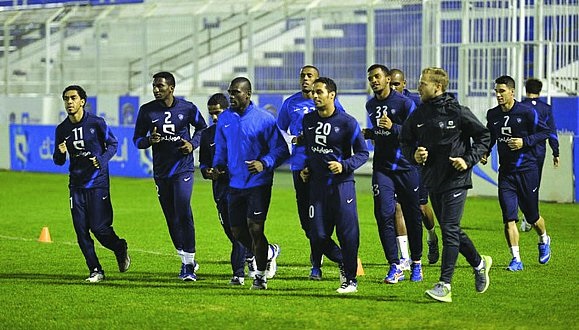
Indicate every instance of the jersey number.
{"type": "Point", "coordinates": [168, 126]}
{"type": "Point", "coordinates": [78, 142]}
{"type": "Point", "coordinates": [322, 132]}
{"type": "Point", "coordinates": [506, 130]}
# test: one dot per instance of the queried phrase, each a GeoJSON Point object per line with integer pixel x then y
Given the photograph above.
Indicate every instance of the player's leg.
{"type": "Point", "coordinates": [401, 237]}
{"type": "Point", "coordinates": [99, 211]}
{"type": "Point", "coordinates": [238, 251]}
{"type": "Point", "coordinates": [384, 211]}
{"type": "Point", "coordinates": [303, 201]}
{"type": "Point", "coordinates": [508, 199]}
{"type": "Point", "coordinates": [345, 215]}
{"type": "Point", "coordinates": [529, 204]}
{"type": "Point", "coordinates": [183, 225]}
{"type": "Point", "coordinates": [257, 208]}
{"type": "Point", "coordinates": [407, 186]}
{"type": "Point", "coordinates": [82, 230]}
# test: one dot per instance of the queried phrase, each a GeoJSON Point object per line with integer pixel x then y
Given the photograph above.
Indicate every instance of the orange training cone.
{"type": "Point", "coordinates": [45, 236]}
{"type": "Point", "coordinates": [360, 270]}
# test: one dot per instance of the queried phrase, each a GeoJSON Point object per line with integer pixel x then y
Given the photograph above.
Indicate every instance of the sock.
{"type": "Point", "coordinates": [189, 258]}
{"type": "Point", "coordinates": [403, 246]}
{"type": "Point", "coordinates": [515, 252]}
{"type": "Point", "coordinates": [481, 265]}
{"type": "Point", "coordinates": [543, 238]}
{"type": "Point", "coordinates": [181, 255]}
{"type": "Point", "coordinates": [430, 234]}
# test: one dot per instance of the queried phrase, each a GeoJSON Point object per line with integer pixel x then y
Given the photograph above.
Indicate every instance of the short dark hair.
{"type": "Point", "coordinates": [218, 99]}
{"type": "Point", "coordinates": [395, 71]}
{"type": "Point", "coordinates": [533, 86]}
{"type": "Point", "coordinates": [507, 80]}
{"type": "Point", "coordinates": [81, 92]}
{"type": "Point", "coordinates": [330, 84]}
{"type": "Point", "coordinates": [168, 77]}
{"type": "Point", "coordinates": [310, 67]}
{"type": "Point", "coordinates": [381, 67]}
{"type": "Point", "coordinates": [242, 80]}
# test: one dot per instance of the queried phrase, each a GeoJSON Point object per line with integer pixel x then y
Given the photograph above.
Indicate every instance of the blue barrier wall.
{"type": "Point", "coordinates": [566, 113]}
{"type": "Point", "coordinates": [31, 148]}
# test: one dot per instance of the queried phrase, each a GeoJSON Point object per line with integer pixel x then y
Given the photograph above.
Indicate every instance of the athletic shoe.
{"type": "Point", "coordinates": [123, 259]}
{"type": "Point", "coordinates": [316, 274]}
{"type": "Point", "coordinates": [433, 252]}
{"type": "Point", "coordinates": [236, 280]}
{"type": "Point", "coordinates": [259, 283]}
{"type": "Point", "coordinates": [440, 292]}
{"type": "Point", "coordinates": [525, 226]}
{"type": "Point", "coordinates": [189, 272]}
{"type": "Point", "coordinates": [343, 277]}
{"type": "Point", "coordinates": [395, 274]}
{"type": "Point", "coordinates": [404, 264]}
{"type": "Point", "coordinates": [95, 277]}
{"type": "Point", "coordinates": [251, 267]}
{"type": "Point", "coordinates": [545, 251]}
{"type": "Point", "coordinates": [481, 276]}
{"type": "Point", "coordinates": [416, 272]}
{"type": "Point", "coordinates": [515, 265]}
{"type": "Point", "coordinates": [349, 286]}
{"type": "Point", "coordinates": [271, 267]}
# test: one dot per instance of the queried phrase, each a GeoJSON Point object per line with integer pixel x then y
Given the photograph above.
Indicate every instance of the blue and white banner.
{"type": "Point", "coordinates": [31, 148]}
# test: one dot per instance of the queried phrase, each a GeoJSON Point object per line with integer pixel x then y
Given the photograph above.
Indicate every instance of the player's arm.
{"type": "Point", "coordinates": [480, 135]}
{"type": "Point", "coordinates": [409, 107]}
{"type": "Point", "coordinates": [111, 145]}
{"type": "Point", "coordinates": [553, 138]}
{"type": "Point", "coordinates": [360, 149]}
{"type": "Point", "coordinates": [59, 155]}
{"type": "Point", "coordinates": [407, 139]}
{"type": "Point", "coordinates": [278, 150]}
{"type": "Point", "coordinates": [141, 139]}
{"type": "Point", "coordinates": [485, 157]}
{"type": "Point", "coordinates": [540, 130]}
{"type": "Point", "coordinates": [199, 124]}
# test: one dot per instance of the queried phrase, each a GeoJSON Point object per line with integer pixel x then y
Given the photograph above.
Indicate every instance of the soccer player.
{"type": "Point", "coordinates": [398, 83]}
{"type": "Point", "coordinates": [335, 147]}
{"type": "Point", "coordinates": [249, 145]}
{"type": "Point", "coordinates": [164, 124]}
{"type": "Point", "coordinates": [393, 177]}
{"type": "Point", "coordinates": [216, 105]}
{"type": "Point", "coordinates": [516, 129]}
{"type": "Point", "coordinates": [438, 136]}
{"type": "Point", "coordinates": [289, 121]}
{"type": "Point", "coordinates": [533, 88]}
{"type": "Point", "coordinates": [90, 145]}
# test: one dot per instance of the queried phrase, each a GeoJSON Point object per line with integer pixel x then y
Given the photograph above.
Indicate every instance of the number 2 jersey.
{"type": "Point", "coordinates": [90, 137]}
{"type": "Point", "coordinates": [173, 123]}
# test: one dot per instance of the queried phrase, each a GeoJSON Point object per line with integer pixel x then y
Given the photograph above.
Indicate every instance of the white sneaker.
{"type": "Point", "coordinates": [271, 267]}
{"type": "Point", "coordinates": [95, 277]}
{"type": "Point", "coordinates": [350, 286]}
{"type": "Point", "coordinates": [404, 264]}
{"type": "Point", "coordinates": [525, 226]}
{"type": "Point", "coordinates": [251, 267]}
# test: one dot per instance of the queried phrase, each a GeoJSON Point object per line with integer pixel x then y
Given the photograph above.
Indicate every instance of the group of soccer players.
{"type": "Point", "coordinates": [424, 147]}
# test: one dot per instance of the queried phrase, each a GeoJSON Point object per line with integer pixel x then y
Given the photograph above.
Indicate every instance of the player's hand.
{"type": "Point", "coordinates": [484, 159]}
{"type": "Point", "coordinates": [458, 163]}
{"type": "Point", "coordinates": [305, 174]}
{"type": "Point", "coordinates": [335, 167]}
{"type": "Point", "coordinates": [211, 173]}
{"type": "Point", "coordinates": [95, 162]}
{"type": "Point", "coordinates": [385, 122]}
{"type": "Point", "coordinates": [62, 147]}
{"type": "Point", "coordinates": [298, 140]}
{"type": "Point", "coordinates": [186, 148]}
{"type": "Point", "coordinates": [421, 155]}
{"type": "Point", "coordinates": [556, 161]}
{"type": "Point", "coordinates": [368, 133]}
{"type": "Point", "coordinates": [254, 166]}
{"type": "Point", "coordinates": [154, 137]}
{"type": "Point", "coordinates": [515, 143]}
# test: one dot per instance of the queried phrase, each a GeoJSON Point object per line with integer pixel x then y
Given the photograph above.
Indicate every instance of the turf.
{"type": "Point", "coordinates": [42, 284]}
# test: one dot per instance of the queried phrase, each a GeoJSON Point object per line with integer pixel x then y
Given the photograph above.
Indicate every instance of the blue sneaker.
{"type": "Point", "coordinates": [395, 274]}
{"type": "Point", "coordinates": [545, 251]}
{"type": "Point", "coordinates": [316, 274]}
{"type": "Point", "coordinates": [515, 265]}
{"type": "Point", "coordinates": [416, 272]}
{"type": "Point", "coordinates": [188, 272]}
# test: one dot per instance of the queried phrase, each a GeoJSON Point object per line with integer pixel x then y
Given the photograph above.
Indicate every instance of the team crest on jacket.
{"type": "Point", "coordinates": [336, 129]}
{"type": "Point", "coordinates": [180, 116]}
{"type": "Point", "coordinates": [92, 131]}
{"type": "Point", "coordinates": [440, 124]}
{"type": "Point", "coordinates": [519, 120]}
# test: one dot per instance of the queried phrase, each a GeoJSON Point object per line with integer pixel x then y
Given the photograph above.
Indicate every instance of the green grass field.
{"type": "Point", "coordinates": [42, 284]}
